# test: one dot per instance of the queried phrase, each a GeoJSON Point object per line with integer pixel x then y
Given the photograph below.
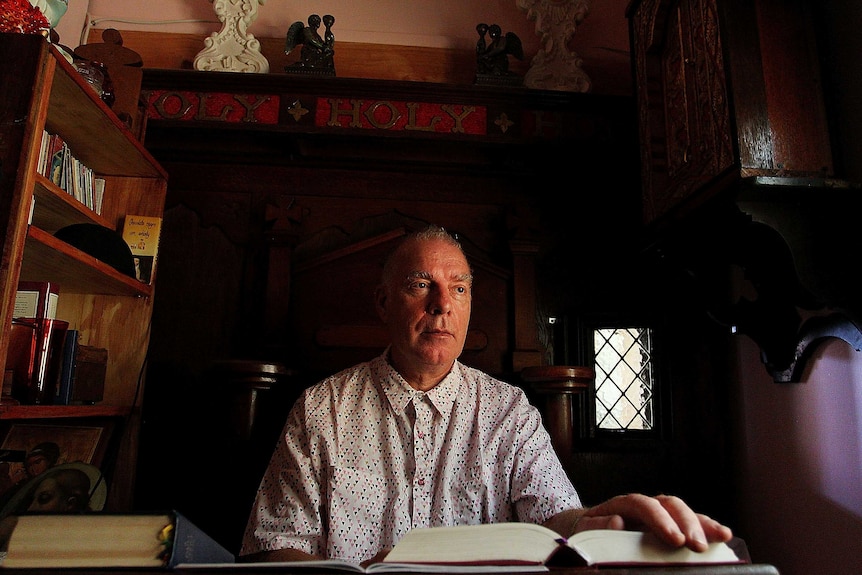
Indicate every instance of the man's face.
{"type": "Point", "coordinates": [36, 464]}
{"type": "Point", "coordinates": [426, 307]}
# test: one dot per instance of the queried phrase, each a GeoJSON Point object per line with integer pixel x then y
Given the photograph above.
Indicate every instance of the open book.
{"type": "Point", "coordinates": [520, 547]}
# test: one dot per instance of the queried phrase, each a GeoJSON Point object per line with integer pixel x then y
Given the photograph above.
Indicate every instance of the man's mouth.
{"type": "Point", "coordinates": [436, 332]}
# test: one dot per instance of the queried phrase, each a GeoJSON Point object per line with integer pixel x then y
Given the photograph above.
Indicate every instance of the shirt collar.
{"type": "Point", "coordinates": [399, 393]}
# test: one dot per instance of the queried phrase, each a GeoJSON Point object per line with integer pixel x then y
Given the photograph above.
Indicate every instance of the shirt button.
{"type": "Point", "coordinates": [420, 481]}
{"type": "Point", "coordinates": [421, 435]}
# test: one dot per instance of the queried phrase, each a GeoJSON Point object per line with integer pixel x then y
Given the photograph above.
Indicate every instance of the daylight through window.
{"type": "Point", "coordinates": [624, 378]}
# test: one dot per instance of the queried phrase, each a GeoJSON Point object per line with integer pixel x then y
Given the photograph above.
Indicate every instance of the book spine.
{"type": "Point", "coordinates": [67, 369]}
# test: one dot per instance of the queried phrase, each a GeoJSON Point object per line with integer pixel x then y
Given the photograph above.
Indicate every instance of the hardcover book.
{"type": "Point", "coordinates": [88, 378]}
{"type": "Point", "coordinates": [57, 152]}
{"type": "Point", "coordinates": [57, 541]}
{"type": "Point", "coordinates": [67, 368]}
{"type": "Point", "coordinates": [142, 234]}
{"type": "Point", "coordinates": [37, 372]}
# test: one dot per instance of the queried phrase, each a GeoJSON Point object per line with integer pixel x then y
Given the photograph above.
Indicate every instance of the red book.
{"type": "Point", "coordinates": [37, 368]}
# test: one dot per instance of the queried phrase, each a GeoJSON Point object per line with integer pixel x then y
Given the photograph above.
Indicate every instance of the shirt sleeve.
{"type": "Point", "coordinates": [286, 510]}
{"type": "Point", "coordinates": [541, 488]}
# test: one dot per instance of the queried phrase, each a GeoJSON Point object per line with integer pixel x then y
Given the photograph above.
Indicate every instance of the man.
{"type": "Point", "coordinates": [414, 438]}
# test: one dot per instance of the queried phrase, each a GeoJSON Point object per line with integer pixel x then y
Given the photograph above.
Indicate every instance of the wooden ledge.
{"type": "Point", "coordinates": [559, 378]}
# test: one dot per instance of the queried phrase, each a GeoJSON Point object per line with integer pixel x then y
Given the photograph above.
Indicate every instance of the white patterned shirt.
{"type": "Point", "coordinates": [364, 458]}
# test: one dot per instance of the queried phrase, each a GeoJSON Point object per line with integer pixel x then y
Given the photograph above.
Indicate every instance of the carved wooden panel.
{"type": "Point", "coordinates": [684, 114]}
{"type": "Point", "coordinates": [726, 90]}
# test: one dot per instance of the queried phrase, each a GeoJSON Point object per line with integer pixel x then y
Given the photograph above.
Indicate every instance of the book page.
{"type": "Point", "coordinates": [86, 540]}
{"type": "Point", "coordinates": [325, 564]}
{"type": "Point", "coordinates": [389, 567]}
{"type": "Point", "coordinates": [497, 544]}
{"type": "Point", "coordinates": [613, 547]}
{"type": "Point", "coordinates": [339, 565]}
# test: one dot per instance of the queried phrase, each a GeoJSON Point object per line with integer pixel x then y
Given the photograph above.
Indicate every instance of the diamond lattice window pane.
{"type": "Point", "coordinates": [624, 392]}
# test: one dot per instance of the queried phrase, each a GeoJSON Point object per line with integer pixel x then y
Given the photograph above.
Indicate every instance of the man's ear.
{"type": "Point", "coordinates": [380, 302]}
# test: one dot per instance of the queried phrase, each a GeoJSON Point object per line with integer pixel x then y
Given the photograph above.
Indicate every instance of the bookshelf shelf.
{"type": "Point", "coordinates": [94, 133]}
{"type": "Point", "coordinates": [74, 270]}
{"type": "Point", "coordinates": [61, 411]}
{"type": "Point", "coordinates": [55, 208]}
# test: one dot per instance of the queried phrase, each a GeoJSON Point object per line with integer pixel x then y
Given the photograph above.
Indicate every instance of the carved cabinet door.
{"type": "Point", "coordinates": [684, 116]}
{"type": "Point", "coordinates": [726, 90]}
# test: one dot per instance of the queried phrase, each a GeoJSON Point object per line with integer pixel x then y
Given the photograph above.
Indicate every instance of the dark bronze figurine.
{"type": "Point", "coordinates": [317, 55]}
{"type": "Point", "coordinates": [492, 57]}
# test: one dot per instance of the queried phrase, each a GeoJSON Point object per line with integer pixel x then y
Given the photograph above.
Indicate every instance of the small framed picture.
{"type": "Point", "coordinates": [30, 449]}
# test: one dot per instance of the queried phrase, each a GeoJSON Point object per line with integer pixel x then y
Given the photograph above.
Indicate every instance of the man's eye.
{"type": "Point", "coordinates": [421, 285]}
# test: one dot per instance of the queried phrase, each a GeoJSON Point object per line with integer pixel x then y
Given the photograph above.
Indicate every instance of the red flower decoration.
{"type": "Point", "coordinates": [22, 17]}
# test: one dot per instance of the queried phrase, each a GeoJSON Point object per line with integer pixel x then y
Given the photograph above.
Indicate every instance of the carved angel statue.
{"type": "Point", "coordinates": [234, 48]}
{"type": "Point", "coordinates": [492, 58]}
{"type": "Point", "coordinates": [317, 52]}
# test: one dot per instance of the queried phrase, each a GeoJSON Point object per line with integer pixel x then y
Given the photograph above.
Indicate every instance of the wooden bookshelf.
{"type": "Point", "coordinates": [110, 309]}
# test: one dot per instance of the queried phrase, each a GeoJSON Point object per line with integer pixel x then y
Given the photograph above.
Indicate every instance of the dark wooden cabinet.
{"type": "Point", "coordinates": [726, 90]}
{"type": "Point", "coordinates": [737, 169]}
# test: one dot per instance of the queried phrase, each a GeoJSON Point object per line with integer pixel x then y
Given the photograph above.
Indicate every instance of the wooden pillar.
{"type": "Point", "coordinates": [248, 384]}
{"type": "Point", "coordinates": [565, 389]}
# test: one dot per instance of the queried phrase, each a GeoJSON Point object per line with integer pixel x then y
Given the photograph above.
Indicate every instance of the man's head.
{"type": "Point", "coordinates": [425, 300]}
{"type": "Point", "coordinates": [62, 491]}
{"type": "Point", "coordinates": [42, 457]}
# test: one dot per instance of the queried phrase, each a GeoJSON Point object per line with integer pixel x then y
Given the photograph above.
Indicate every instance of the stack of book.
{"type": "Point", "coordinates": [47, 364]}
{"type": "Point", "coordinates": [82, 372]}
{"type": "Point", "coordinates": [59, 164]}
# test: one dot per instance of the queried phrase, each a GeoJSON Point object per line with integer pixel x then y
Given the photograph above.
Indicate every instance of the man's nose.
{"type": "Point", "coordinates": [440, 303]}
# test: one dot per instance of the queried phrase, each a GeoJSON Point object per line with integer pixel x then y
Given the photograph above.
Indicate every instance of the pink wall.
{"type": "Point", "coordinates": [801, 473]}
{"type": "Point", "coordinates": [425, 23]}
